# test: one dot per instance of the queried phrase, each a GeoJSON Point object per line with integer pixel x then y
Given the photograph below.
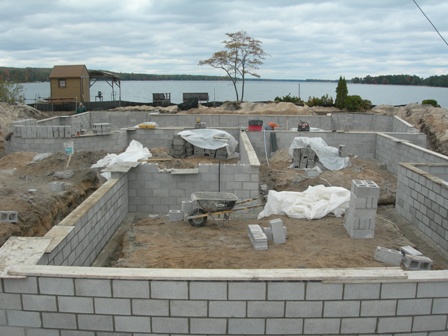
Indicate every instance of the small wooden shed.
{"type": "Point", "coordinates": [70, 83]}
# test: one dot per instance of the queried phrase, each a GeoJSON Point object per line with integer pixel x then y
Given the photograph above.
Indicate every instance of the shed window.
{"type": "Point", "coordinates": [62, 83]}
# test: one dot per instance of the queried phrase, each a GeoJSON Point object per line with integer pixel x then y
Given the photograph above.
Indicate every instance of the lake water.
{"type": "Point", "coordinates": [141, 91]}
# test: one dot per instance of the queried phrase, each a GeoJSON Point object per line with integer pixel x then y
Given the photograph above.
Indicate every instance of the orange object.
{"type": "Point", "coordinates": [272, 124]}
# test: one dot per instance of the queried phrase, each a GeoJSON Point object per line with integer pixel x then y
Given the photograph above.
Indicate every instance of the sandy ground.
{"type": "Point", "coordinates": [320, 243]}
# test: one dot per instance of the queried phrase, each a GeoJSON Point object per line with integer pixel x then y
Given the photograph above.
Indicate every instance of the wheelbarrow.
{"type": "Point", "coordinates": [214, 203]}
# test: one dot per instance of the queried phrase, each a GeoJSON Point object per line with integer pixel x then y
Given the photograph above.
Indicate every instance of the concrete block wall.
{"type": "Point", "coordinates": [34, 132]}
{"type": "Point", "coordinates": [88, 301]}
{"type": "Point", "coordinates": [361, 144]}
{"type": "Point", "coordinates": [402, 126]}
{"type": "Point", "coordinates": [422, 198]}
{"type": "Point", "coordinates": [152, 190]}
{"type": "Point", "coordinates": [53, 121]}
{"type": "Point", "coordinates": [359, 121]}
{"type": "Point", "coordinates": [120, 119]}
{"type": "Point", "coordinates": [75, 121]}
{"type": "Point", "coordinates": [439, 170]}
{"type": "Point", "coordinates": [80, 237]}
{"type": "Point", "coordinates": [392, 150]}
{"type": "Point", "coordinates": [113, 143]}
{"type": "Point", "coordinates": [80, 121]}
{"type": "Point", "coordinates": [23, 122]}
{"type": "Point", "coordinates": [248, 156]}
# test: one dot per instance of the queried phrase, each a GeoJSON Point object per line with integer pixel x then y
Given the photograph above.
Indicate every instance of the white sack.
{"type": "Point", "coordinates": [208, 138]}
{"type": "Point", "coordinates": [328, 156]}
{"type": "Point", "coordinates": [315, 202]}
{"type": "Point", "coordinates": [133, 153]}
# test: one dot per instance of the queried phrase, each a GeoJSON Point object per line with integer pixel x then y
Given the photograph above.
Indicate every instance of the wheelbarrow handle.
{"type": "Point", "coordinates": [246, 201]}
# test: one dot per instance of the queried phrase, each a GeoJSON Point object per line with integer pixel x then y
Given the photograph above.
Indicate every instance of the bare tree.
{"type": "Point", "coordinates": [242, 56]}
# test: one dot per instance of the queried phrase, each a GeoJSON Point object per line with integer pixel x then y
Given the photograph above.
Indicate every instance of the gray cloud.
{"type": "Point", "coordinates": [305, 39]}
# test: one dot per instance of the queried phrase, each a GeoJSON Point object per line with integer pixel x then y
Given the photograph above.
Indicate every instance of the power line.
{"type": "Point", "coordinates": [430, 22]}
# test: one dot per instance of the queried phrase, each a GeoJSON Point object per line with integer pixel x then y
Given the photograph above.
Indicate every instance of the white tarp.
{"type": "Point", "coordinates": [313, 203]}
{"type": "Point", "coordinates": [328, 156]}
{"type": "Point", "coordinates": [208, 138]}
{"type": "Point", "coordinates": [133, 153]}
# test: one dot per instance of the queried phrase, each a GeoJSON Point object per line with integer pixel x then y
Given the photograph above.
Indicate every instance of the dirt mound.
{"type": "Point", "coordinates": [24, 187]}
{"type": "Point", "coordinates": [12, 112]}
{"type": "Point", "coordinates": [430, 120]}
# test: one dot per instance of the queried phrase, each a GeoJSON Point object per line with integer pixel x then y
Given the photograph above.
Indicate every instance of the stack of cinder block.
{"type": "Point", "coordinates": [260, 236]}
{"type": "Point", "coordinates": [414, 259]}
{"type": "Point", "coordinates": [210, 153]}
{"type": "Point", "coordinates": [303, 158]}
{"type": "Point", "coordinates": [407, 256]}
{"type": "Point", "coordinates": [257, 237]}
{"type": "Point", "coordinates": [360, 216]}
{"type": "Point", "coordinates": [221, 153]}
{"type": "Point", "coordinates": [198, 151]}
{"type": "Point", "coordinates": [42, 131]}
{"type": "Point", "coordinates": [178, 147]}
{"type": "Point", "coordinates": [200, 125]}
{"type": "Point", "coordinates": [102, 128]}
{"type": "Point", "coordinates": [181, 149]}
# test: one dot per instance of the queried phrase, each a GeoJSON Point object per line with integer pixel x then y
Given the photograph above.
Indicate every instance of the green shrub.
{"type": "Point", "coordinates": [356, 103]}
{"type": "Point", "coordinates": [323, 101]}
{"type": "Point", "coordinates": [11, 92]}
{"type": "Point", "coordinates": [432, 102]}
{"type": "Point", "coordinates": [289, 99]}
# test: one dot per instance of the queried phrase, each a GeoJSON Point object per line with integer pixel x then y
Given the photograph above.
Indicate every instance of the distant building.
{"type": "Point", "coordinates": [70, 83]}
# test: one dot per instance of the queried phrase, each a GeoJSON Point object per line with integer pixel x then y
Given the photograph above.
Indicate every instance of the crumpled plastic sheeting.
{"type": "Point", "coordinates": [314, 203]}
{"type": "Point", "coordinates": [328, 156]}
{"type": "Point", "coordinates": [209, 138]}
{"type": "Point", "coordinates": [133, 153]}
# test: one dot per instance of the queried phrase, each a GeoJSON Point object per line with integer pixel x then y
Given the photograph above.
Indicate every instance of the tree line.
{"type": "Point", "coordinates": [440, 81]}
{"type": "Point", "coordinates": [29, 74]}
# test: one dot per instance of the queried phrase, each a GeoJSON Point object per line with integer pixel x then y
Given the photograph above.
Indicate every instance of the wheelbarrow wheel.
{"type": "Point", "coordinates": [197, 222]}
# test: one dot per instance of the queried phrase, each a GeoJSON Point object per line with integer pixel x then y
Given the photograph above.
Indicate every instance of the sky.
{"type": "Point", "coordinates": [309, 39]}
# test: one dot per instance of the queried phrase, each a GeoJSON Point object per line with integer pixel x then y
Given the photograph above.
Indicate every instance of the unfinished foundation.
{"type": "Point", "coordinates": [48, 286]}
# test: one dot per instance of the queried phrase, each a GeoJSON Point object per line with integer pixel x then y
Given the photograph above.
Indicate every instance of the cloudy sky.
{"type": "Point", "coordinates": [305, 38]}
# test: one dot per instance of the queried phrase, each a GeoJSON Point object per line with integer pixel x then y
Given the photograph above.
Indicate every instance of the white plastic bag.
{"type": "Point", "coordinates": [315, 202]}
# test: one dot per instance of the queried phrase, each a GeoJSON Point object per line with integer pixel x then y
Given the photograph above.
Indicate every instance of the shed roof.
{"type": "Point", "coordinates": [68, 71]}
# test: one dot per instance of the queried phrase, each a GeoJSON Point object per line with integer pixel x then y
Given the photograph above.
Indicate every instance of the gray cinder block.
{"type": "Point", "coordinates": [257, 237]}
{"type": "Point", "coordinates": [56, 186]}
{"type": "Point", "coordinates": [388, 256]}
{"type": "Point", "coordinates": [268, 232]}
{"type": "Point", "coordinates": [9, 216]}
{"type": "Point", "coordinates": [175, 215]}
{"type": "Point", "coordinates": [278, 233]}
{"type": "Point", "coordinates": [416, 263]}
{"type": "Point", "coordinates": [410, 250]}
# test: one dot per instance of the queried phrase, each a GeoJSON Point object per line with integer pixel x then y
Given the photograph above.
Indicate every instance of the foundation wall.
{"type": "Point", "coordinates": [80, 237]}
{"type": "Point", "coordinates": [89, 301]}
{"type": "Point", "coordinates": [422, 198]}
{"type": "Point", "coordinates": [113, 143]}
{"type": "Point", "coordinates": [391, 150]}
{"type": "Point", "coordinates": [332, 121]}
{"type": "Point", "coordinates": [170, 124]}
{"type": "Point", "coordinates": [152, 190]}
{"type": "Point", "coordinates": [361, 144]}
{"type": "Point", "coordinates": [162, 137]}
